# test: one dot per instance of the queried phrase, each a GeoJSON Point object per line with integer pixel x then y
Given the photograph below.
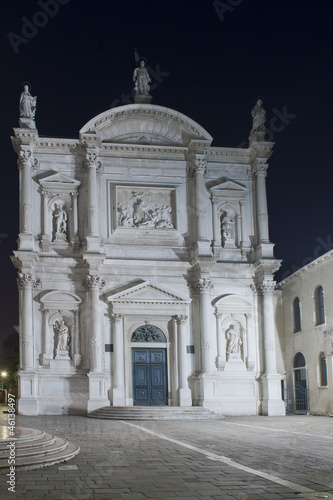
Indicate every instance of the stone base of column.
{"type": "Point", "coordinates": [93, 244]}
{"type": "Point", "coordinates": [97, 391]}
{"type": "Point", "coordinates": [118, 397]}
{"type": "Point", "coordinates": [185, 396]}
{"type": "Point", "coordinates": [26, 241]}
{"type": "Point", "coordinates": [27, 404]}
{"type": "Point", "coordinates": [203, 248]}
{"type": "Point", "coordinates": [272, 404]}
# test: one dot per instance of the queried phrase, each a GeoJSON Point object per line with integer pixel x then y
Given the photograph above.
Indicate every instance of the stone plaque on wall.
{"type": "Point", "coordinates": [145, 207]}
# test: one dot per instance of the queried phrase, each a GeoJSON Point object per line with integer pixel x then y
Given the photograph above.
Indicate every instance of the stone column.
{"type": "Point", "coordinates": [26, 283]}
{"type": "Point", "coordinates": [94, 284]}
{"type": "Point", "coordinates": [216, 224]}
{"type": "Point", "coordinates": [200, 168]}
{"type": "Point", "coordinates": [272, 404]}
{"type": "Point", "coordinates": [74, 195]}
{"type": "Point", "coordinates": [267, 287]}
{"type": "Point", "coordinates": [244, 240]}
{"type": "Point", "coordinates": [221, 344]}
{"type": "Point", "coordinates": [26, 163]}
{"type": "Point", "coordinates": [118, 361]}
{"type": "Point", "coordinates": [260, 170]}
{"type": "Point", "coordinates": [185, 398]}
{"type": "Point", "coordinates": [92, 165]}
{"type": "Point", "coordinates": [204, 286]}
{"type": "Point", "coordinates": [251, 353]}
{"type": "Point", "coordinates": [46, 228]}
{"type": "Point", "coordinates": [174, 362]}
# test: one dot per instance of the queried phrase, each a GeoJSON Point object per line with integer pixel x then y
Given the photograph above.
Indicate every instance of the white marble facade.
{"type": "Point", "coordinates": [142, 222]}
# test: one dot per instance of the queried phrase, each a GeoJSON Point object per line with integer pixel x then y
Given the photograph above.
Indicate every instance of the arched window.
{"type": "Point", "coordinates": [299, 360]}
{"type": "Point", "coordinates": [319, 305]}
{"type": "Point", "coordinates": [322, 370]}
{"type": "Point", "coordinates": [297, 315]}
{"type": "Point", "coordinates": [148, 333]}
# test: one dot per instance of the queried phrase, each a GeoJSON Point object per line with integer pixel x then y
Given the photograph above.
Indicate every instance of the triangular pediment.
{"type": "Point", "coordinates": [229, 185]}
{"type": "Point", "coordinates": [59, 178]}
{"type": "Point", "coordinates": [145, 124]}
{"type": "Point", "coordinates": [148, 292]}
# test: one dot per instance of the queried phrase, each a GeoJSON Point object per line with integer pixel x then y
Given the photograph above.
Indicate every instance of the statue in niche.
{"type": "Point", "coordinates": [259, 117]}
{"type": "Point", "coordinates": [141, 79]}
{"type": "Point", "coordinates": [62, 340]}
{"type": "Point", "coordinates": [234, 340]}
{"type": "Point", "coordinates": [59, 221]}
{"type": "Point", "coordinates": [227, 228]}
{"type": "Point", "coordinates": [27, 103]}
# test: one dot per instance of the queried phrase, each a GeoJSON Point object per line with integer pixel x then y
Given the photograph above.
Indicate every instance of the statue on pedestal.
{"type": "Point", "coordinates": [59, 221]}
{"type": "Point", "coordinates": [258, 113]}
{"type": "Point", "coordinates": [234, 340]}
{"type": "Point", "coordinates": [62, 336]}
{"type": "Point", "coordinates": [141, 79]}
{"type": "Point", "coordinates": [27, 103]}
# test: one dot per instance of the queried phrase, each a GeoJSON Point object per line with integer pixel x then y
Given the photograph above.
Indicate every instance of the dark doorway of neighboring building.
{"type": "Point", "coordinates": [149, 368]}
{"type": "Point", "coordinates": [298, 395]}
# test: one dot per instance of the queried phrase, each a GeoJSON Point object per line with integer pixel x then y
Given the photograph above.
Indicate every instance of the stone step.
{"type": "Point", "coordinates": [154, 413]}
{"type": "Point", "coordinates": [35, 449]}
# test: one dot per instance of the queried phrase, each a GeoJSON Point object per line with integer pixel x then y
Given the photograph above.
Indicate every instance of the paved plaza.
{"type": "Point", "coordinates": [245, 458]}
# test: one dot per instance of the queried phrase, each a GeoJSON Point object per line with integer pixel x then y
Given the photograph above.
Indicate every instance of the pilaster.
{"type": "Point", "coordinates": [185, 397]}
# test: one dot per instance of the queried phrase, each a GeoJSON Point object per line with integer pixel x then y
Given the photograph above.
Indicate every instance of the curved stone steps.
{"type": "Point", "coordinates": [154, 413]}
{"type": "Point", "coordinates": [35, 449]}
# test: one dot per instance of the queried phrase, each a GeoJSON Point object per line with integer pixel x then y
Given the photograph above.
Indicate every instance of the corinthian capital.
{"type": "Point", "coordinates": [26, 280]}
{"type": "Point", "coordinates": [203, 285]}
{"type": "Point", "coordinates": [26, 156]}
{"type": "Point", "coordinates": [267, 286]}
{"type": "Point", "coordinates": [260, 167]}
{"type": "Point", "coordinates": [92, 159]}
{"type": "Point", "coordinates": [200, 165]}
{"type": "Point", "coordinates": [93, 282]}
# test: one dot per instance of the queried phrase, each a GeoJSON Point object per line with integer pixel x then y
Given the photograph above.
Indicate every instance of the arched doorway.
{"type": "Point", "coordinates": [149, 367]}
{"type": "Point", "coordinates": [300, 385]}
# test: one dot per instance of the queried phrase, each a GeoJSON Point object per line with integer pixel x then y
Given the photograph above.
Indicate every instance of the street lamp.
{"type": "Point", "coordinates": [3, 375]}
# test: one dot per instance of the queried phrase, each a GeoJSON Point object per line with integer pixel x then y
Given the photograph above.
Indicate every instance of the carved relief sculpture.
{"type": "Point", "coordinates": [59, 222]}
{"type": "Point", "coordinates": [139, 211]}
{"type": "Point", "coordinates": [62, 335]}
{"type": "Point", "coordinates": [27, 103]}
{"type": "Point", "coordinates": [234, 341]}
{"type": "Point", "coordinates": [141, 79]}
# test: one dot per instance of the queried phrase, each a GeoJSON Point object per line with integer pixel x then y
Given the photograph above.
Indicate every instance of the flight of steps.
{"type": "Point", "coordinates": [155, 413]}
{"type": "Point", "coordinates": [35, 448]}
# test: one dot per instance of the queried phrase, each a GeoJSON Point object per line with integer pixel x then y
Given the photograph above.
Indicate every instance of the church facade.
{"type": "Point", "coordinates": [145, 269]}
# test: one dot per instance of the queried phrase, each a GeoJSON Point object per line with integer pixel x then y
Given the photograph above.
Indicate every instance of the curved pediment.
{"type": "Point", "coordinates": [145, 124]}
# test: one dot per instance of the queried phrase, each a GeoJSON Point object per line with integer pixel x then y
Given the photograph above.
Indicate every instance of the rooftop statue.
{"type": "Point", "coordinates": [259, 117]}
{"type": "Point", "coordinates": [141, 79]}
{"type": "Point", "coordinates": [27, 103]}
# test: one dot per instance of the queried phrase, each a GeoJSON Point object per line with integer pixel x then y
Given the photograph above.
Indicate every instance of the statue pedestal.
{"type": "Point", "coordinates": [234, 357]}
{"type": "Point", "coordinates": [143, 99]}
{"type": "Point", "coordinates": [62, 354]}
{"type": "Point", "coordinates": [27, 123]}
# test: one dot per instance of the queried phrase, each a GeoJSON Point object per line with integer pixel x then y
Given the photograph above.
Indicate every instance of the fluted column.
{"type": "Point", "coordinates": [184, 390]}
{"type": "Point", "coordinates": [92, 166]}
{"type": "Point", "coordinates": [221, 343]}
{"type": "Point", "coordinates": [46, 229]}
{"type": "Point", "coordinates": [260, 170]}
{"type": "Point", "coordinates": [26, 284]}
{"type": "Point", "coordinates": [216, 223]}
{"type": "Point", "coordinates": [200, 167]}
{"type": "Point", "coordinates": [94, 284]}
{"type": "Point", "coordinates": [267, 287]}
{"type": "Point", "coordinates": [118, 361]}
{"type": "Point", "coordinates": [74, 195]}
{"type": "Point", "coordinates": [174, 363]}
{"type": "Point", "coordinates": [204, 286]}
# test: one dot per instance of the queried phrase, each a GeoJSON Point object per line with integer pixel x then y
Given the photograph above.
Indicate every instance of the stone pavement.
{"type": "Point", "coordinates": [245, 458]}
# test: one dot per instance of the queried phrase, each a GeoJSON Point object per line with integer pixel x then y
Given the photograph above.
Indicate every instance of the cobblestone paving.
{"type": "Point", "coordinates": [211, 460]}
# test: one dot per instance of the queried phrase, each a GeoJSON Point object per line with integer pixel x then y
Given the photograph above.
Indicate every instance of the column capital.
{"type": "Point", "coordinates": [200, 165]}
{"type": "Point", "coordinates": [93, 282]}
{"type": "Point", "coordinates": [267, 286]}
{"type": "Point", "coordinates": [92, 159]}
{"type": "Point", "coordinates": [26, 280]}
{"type": "Point", "coordinates": [116, 317]}
{"type": "Point", "coordinates": [181, 319]}
{"type": "Point", "coordinates": [45, 193]}
{"type": "Point", "coordinates": [260, 167]}
{"type": "Point", "coordinates": [26, 156]}
{"type": "Point", "coordinates": [242, 201]}
{"type": "Point", "coordinates": [202, 285]}
{"type": "Point", "coordinates": [74, 194]}
{"type": "Point", "coordinates": [215, 199]}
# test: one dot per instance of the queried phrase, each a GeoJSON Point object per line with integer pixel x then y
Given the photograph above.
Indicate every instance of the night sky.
{"type": "Point", "coordinates": [210, 61]}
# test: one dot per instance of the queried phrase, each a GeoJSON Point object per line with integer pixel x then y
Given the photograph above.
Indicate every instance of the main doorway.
{"type": "Point", "coordinates": [149, 369]}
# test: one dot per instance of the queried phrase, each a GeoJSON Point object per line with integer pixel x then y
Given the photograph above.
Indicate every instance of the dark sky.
{"type": "Point", "coordinates": [211, 64]}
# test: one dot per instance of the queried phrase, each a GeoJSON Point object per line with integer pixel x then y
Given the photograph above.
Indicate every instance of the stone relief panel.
{"type": "Point", "coordinates": [145, 208]}
{"type": "Point", "coordinates": [148, 333]}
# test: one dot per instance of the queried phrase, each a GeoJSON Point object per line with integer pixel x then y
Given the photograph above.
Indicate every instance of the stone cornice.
{"type": "Point", "coordinates": [297, 274]}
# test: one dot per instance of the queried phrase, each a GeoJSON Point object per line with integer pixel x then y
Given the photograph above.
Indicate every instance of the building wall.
{"type": "Point", "coordinates": [312, 340]}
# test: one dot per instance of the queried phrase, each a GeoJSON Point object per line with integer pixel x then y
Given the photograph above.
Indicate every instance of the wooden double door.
{"type": "Point", "coordinates": [150, 381]}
